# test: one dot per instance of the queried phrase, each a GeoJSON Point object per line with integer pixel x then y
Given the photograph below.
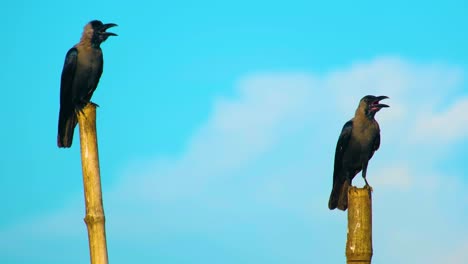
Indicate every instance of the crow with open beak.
{"type": "Point", "coordinates": [80, 77]}
{"type": "Point", "coordinates": [359, 139]}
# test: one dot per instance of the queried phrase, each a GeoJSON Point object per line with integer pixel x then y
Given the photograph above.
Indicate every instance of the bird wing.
{"type": "Point", "coordinates": [377, 142]}
{"type": "Point", "coordinates": [376, 145]}
{"type": "Point", "coordinates": [68, 74]}
{"type": "Point", "coordinates": [340, 149]}
{"type": "Point", "coordinates": [93, 78]}
{"type": "Point", "coordinates": [67, 117]}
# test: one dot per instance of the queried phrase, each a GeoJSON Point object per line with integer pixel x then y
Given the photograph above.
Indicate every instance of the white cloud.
{"type": "Point", "coordinates": [397, 176]}
{"type": "Point", "coordinates": [424, 224]}
{"type": "Point", "coordinates": [269, 150]}
{"type": "Point", "coordinates": [241, 129]}
{"type": "Point", "coordinates": [443, 127]}
{"type": "Point", "coordinates": [238, 132]}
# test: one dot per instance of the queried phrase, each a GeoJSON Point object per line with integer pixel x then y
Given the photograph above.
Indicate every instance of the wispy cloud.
{"type": "Point", "coordinates": [396, 176]}
{"type": "Point", "coordinates": [447, 126]}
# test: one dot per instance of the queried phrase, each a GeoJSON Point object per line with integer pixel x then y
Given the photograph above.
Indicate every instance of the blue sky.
{"type": "Point", "coordinates": [217, 128]}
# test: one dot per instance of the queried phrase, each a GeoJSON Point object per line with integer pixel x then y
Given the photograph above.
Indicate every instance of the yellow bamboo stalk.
{"type": "Point", "coordinates": [94, 219]}
{"type": "Point", "coordinates": [359, 242]}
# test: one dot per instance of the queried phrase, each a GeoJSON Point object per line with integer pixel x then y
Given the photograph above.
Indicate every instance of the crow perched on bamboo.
{"type": "Point", "coordinates": [358, 141]}
{"type": "Point", "coordinates": [80, 77]}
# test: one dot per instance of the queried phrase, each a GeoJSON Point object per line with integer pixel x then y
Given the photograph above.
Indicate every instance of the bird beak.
{"type": "Point", "coordinates": [107, 26]}
{"type": "Point", "coordinates": [377, 105]}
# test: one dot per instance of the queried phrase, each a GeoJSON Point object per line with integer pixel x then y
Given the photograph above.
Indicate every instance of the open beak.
{"type": "Point", "coordinates": [376, 105]}
{"type": "Point", "coordinates": [107, 26]}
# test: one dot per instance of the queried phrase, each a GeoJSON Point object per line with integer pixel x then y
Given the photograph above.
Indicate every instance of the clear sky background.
{"type": "Point", "coordinates": [218, 124]}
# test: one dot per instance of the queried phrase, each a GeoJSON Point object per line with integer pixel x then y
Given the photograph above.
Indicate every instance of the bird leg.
{"type": "Point", "coordinates": [364, 172]}
{"type": "Point", "coordinates": [348, 178]}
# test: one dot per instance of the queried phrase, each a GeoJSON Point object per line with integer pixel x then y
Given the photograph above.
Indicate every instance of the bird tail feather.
{"type": "Point", "coordinates": [66, 128]}
{"type": "Point", "coordinates": [339, 196]}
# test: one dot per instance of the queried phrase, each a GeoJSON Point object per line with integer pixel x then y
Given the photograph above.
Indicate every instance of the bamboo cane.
{"type": "Point", "coordinates": [94, 219]}
{"type": "Point", "coordinates": [359, 242]}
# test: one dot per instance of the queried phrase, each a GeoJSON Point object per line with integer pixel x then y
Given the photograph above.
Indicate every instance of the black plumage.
{"type": "Point", "coordinates": [80, 76]}
{"type": "Point", "coordinates": [359, 139]}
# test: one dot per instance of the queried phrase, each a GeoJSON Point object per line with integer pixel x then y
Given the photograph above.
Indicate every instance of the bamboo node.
{"type": "Point", "coordinates": [91, 219]}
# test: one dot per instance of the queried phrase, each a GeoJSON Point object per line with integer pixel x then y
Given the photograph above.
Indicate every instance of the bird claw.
{"type": "Point", "coordinates": [81, 107]}
{"type": "Point", "coordinates": [91, 103]}
{"type": "Point", "coordinates": [79, 111]}
{"type": "Point", "coordinates": [367, 186]}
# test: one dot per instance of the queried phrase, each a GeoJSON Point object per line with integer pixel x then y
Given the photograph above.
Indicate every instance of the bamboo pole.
{"type": "Point", "coordinates": [94, 219]}
{"type": "Point", "coordinates": [359, 242]}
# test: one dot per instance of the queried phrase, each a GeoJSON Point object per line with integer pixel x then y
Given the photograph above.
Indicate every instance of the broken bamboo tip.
{"type": "Point", "coordinates": [359, 241]}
